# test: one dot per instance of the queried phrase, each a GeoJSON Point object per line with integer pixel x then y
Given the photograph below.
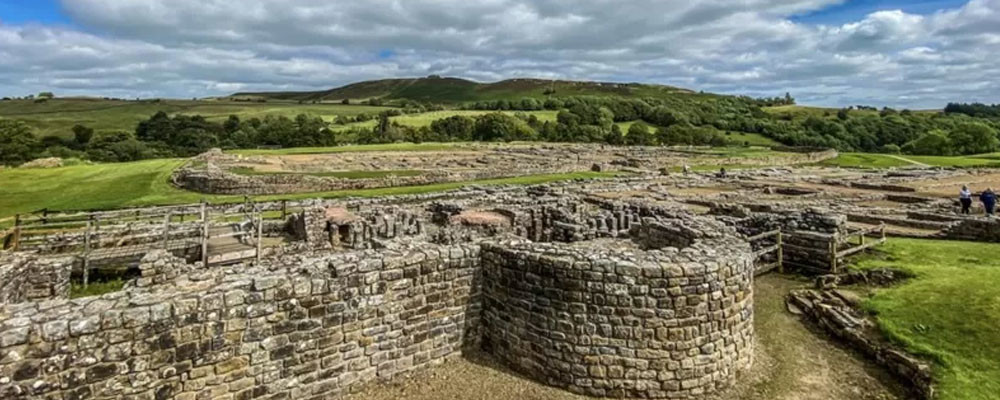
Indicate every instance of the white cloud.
{"type": "Point", "coordinates": [185, 48]}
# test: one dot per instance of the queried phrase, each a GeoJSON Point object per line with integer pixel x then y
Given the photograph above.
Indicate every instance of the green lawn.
{"type": "Point", "coordinates": [872, 160]}
{"type": "Point", "coordinates": [108, 186]}
{"type": "Point", "coordinates": [981, 160]}
{"type": "Point", "coordinates": [865, 160]}
{"type": "Point", "coordinates": [950, 312]}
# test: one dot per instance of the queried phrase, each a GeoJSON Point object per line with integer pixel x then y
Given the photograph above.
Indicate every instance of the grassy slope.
{"type": "Point", "coordinates": [453, 90]}
{"type": "Point", "coordinates": [106, 186]}
{"type": "Point", "coordinates": [58, 116]}
{"type": "Point", "coordinates": [950, 312]}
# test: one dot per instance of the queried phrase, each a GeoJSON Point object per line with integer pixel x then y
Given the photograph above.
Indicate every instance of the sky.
{"type": "Point", "coordinates": [906, 54]}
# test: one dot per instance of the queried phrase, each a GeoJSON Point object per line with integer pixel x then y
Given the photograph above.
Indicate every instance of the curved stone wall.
{"type": "Point", "coordinates": [668, 323]}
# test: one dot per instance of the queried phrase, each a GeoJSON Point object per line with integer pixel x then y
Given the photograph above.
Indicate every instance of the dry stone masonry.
{"type": "Point", "coordinates": [633, 287]}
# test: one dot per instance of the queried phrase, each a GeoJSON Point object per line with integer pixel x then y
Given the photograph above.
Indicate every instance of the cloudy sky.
{"type": "Point", "coordinates": [916, 53]}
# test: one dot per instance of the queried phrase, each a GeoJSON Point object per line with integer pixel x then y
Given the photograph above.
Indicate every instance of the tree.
{"type": "Point", "coordinates": [502, 127]}
{"type": "Point", "coordinates": [639, 135]}
{"type": "Point", "coordinates": [615, 137]}
{"type": "Point", "coordinates": [82, 134]}
{"type": "Point", "coordinates": [456, 127]}
{"type": "Point", "coordinates": [973, 138]}
{"type": "Point", "coordinates": [933, 143]}
{"type": "Point", "coordinates": [17, 143]}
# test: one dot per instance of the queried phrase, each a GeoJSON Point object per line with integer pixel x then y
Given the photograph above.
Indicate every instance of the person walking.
{"type": "Point", "coordinates": [965, 197]}
{"type": "Point", "coordinates": [989, 200]}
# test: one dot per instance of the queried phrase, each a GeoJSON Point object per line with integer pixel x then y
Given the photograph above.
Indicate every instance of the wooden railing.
{"type": "Point", "coordinates": [776, 249]}
{"type": "Point", "coordinates": [836, 254]}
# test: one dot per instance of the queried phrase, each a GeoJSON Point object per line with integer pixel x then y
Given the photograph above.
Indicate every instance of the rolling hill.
{"type": "Point", "coordinates": [455, 90]}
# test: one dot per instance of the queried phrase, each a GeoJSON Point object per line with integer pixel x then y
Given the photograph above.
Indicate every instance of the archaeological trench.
{"type": "Point", "coordinates": [632, 287]}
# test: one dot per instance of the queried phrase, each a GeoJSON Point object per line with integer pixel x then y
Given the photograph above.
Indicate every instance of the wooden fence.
{"type": "Point", "coordinates": [130, 234]}
{"type": "Point", "coordinates": [830, 249]}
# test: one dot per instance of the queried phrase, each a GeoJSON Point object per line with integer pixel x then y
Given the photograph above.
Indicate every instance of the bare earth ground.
{"type": "Point", "coordinates": [792, 363]}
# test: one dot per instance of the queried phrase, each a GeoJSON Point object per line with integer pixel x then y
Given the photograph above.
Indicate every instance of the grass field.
{"type": "Point", "coordinates": [58, 116]}
{"type": "Point", "coordinates": [871, 160]}
{"type": "Point", "coordinates": [425, 119]}
{"type": "Point", "coordinates": [866, 160]}
{"type": "Point", "coordinates": [108, 186]}
{"type": "Point", "coordinates": [950, 312]}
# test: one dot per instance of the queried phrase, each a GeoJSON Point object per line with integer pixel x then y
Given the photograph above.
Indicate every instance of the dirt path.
{"type": "Point", "coordinates": [793, 363]}
{"type": "Point", "coordinates": [904, 159]}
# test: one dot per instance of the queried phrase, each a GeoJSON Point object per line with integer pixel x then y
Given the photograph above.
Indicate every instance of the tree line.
{"type": "Point", "coordinates": [681, 120]}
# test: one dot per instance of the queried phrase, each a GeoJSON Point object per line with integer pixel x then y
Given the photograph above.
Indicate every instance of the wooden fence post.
{"type": "Point", "coordinates": [284, 209]}
{"type": "Point", "coordinates": [17, 233]}
{"type": "Point", "coordinates": [781, 262]}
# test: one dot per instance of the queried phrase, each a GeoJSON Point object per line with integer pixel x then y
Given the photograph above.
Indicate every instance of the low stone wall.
{"type": "Point", "coordinates": [668, 324]}
{"type": "Point", "coordinates": [976, 229]}
{"type": "Point", "coordinates": [833, 312]}
{"type": "Point", "coordinates": [312, 331]}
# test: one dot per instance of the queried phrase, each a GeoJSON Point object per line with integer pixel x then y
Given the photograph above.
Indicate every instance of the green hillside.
{"type": "Point", "coordinates": [455, 90]}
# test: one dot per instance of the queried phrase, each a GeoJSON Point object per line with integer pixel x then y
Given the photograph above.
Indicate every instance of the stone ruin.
{"type": "Point", "coordinates": [571, 284]}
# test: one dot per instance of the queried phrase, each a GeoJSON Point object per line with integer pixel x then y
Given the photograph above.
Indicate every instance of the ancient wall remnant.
{"type": "Point", "coordinates": [310, 331]}
{"type": "Point", "coordinates": [28, 277]}
{"type": "Point", "coordinates": [669, 323]}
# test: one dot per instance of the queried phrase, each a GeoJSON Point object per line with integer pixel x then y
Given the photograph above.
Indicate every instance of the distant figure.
{"type": "Point", "coordinates": [965, 197]}
{"type": "Point", "coordinates": [722, 173]}
{"type": "Point", "coordinates": [989, 200]}
{"type": "Point", "coordinates": [687, 169]}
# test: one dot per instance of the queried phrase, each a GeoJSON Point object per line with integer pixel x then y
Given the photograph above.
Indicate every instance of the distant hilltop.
{"type": "Point", "coordinates": [436, 89]}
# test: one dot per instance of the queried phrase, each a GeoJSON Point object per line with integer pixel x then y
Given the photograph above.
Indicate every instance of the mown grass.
{"type": "Point", "coordinates": [872, 160]}
{"type": "Point", "coordinates": [981, 160]}
{"type": "Point", "coordinates": [143, 183]}
{"type": "Point", "coordinates": [950, 312]}
{"type": "Point", "coordinates": [333, 174]}
{"type": "Point", "coordinates": [865, 160]}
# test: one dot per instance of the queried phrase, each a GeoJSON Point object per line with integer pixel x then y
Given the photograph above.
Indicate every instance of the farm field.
{"type": "Point", "coordinates": [58, 116]}
{"type": "Point", "coordinates": [948, 312]}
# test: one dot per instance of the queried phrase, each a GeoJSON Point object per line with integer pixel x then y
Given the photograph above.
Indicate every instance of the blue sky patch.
{"type": "Point", "coordinates": [854, 10]}
{"type": "Point", "coordinates": [31, 11]}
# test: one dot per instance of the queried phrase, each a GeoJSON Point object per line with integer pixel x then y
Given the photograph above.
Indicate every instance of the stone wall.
{"type": "Point", "coordinates": [312, 331]}
{"type": "Point", "coordinates": [27, 277]}
{"type": "Point", "coordinates": [666, 324]}
{"type": "Point", "coordinates": [977, 229]}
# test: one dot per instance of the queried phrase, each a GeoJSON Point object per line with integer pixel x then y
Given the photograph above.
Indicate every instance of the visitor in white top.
{"type": "Point", "coordinates": [965, 197]}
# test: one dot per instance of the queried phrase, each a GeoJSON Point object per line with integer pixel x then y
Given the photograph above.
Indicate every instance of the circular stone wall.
{"type": "Point", "coordinates": [667, 323]}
